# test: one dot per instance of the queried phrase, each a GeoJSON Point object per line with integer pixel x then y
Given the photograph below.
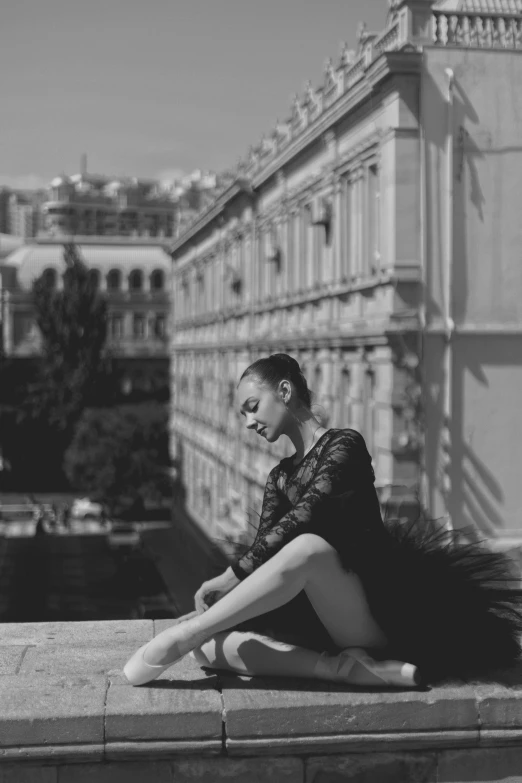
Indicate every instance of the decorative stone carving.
{"type": "Point", "coordinates": [348, 56]}
{"type": "Point", "coordinates": [313, 100]}
{"type": "Point", "coordinates": [299, 116]}
{"type": "Point", "coordinates": [492, 24]}
{"type": "Point", "coordinates": [331, 83]}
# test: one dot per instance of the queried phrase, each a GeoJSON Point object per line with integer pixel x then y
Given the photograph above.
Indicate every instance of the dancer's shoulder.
{"type": "Point", "coordinates": [347, 436]}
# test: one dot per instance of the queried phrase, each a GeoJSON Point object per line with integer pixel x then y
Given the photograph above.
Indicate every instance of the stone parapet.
{"type": "Point", "coordinates": [68, 714]}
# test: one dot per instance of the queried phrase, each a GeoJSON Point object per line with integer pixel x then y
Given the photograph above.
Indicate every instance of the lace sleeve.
{"type": "Point", "coordinates": [271, 505]}
{"type": "Point", "coordinates": [344, 466]}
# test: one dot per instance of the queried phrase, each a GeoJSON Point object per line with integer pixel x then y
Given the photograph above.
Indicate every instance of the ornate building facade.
{"type": "Point", "coordinates": [350, 238]}
{"type": "Point", "coordinates": [133, 275]}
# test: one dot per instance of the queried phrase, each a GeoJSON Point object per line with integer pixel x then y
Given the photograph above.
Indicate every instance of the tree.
{"type": "Point", "coordinates": [73, 325]}
{"type": "Point", "coordinates": [120, 455]}
{"type": "Point", "coordinates": [37, 427]}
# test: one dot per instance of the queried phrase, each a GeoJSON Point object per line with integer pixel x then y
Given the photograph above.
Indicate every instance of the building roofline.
{"type": "Point", "coordinates": [407, 61]}
{"type": "Point", "coordinates": [240, 185]}
{"type": "Point", "coordinates": [90, 239]}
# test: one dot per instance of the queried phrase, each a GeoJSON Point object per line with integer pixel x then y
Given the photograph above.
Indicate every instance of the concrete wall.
{"type": "Point", "coordinates": [475, 477]}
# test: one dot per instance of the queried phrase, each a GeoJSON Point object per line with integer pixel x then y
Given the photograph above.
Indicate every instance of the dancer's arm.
{"type": "Point", "coordinates": [214, 589]}
{"type": "Point", "coordinates": [344, 465]}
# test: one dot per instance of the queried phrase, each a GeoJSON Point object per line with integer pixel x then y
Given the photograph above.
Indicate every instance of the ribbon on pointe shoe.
{"type": "Point", "coordinates": [338, 668]}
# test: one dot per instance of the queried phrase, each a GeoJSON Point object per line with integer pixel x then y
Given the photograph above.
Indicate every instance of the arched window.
{"type": "Point", "coordinates": [114, 280]}
{"type": "Point", "coordinates": [157, 280]}
{"type": "Point", "coordinates": [94, 277]}
{"type": "Point", "coordinates": [136, 280]}
{"type": "Point", "coordinates": [50, 277]}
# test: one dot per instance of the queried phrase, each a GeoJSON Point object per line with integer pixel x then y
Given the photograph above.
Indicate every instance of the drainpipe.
{"type": "Point", "coordinates": [449, 325]}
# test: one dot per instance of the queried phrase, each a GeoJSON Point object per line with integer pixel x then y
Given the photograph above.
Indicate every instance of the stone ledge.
{"type": "Point", "coordinates": [65, 699]}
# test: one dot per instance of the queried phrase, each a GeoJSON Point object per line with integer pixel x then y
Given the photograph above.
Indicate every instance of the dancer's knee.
{"type": "Point", "coordinates": [306, 549]}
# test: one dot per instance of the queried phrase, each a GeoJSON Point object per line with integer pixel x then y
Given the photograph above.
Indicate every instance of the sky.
{"type": "Point", "coordinates": [157, 88]}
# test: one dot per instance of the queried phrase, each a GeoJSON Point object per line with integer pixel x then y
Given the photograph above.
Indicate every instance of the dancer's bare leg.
{"type": "Point", "coordinates": [246, 652]}
{"type": "Point", "coordinates": [307, 563]}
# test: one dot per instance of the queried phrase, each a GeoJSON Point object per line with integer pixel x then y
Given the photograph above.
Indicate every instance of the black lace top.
{"type": "Point", "coordinates": [330, 493]}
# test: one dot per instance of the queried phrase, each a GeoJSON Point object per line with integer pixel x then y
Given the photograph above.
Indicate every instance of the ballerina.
{"type": "Point", "coordinates": [327, 590]}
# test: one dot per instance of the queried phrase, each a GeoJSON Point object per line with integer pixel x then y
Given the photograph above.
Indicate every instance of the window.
{"type": "Point", "coordinates": [138, 326]}
{"type": "Point", "coordinates": [94, 277]}
{"type": "Point", "coordinates": [347, 247]}
{"type": "Point", "coordinates": [200, 279]}
{"type": "Point", "coordinates": [369, 408]}
{"type": "Point", "coordinates": [185, 296]}
{"type": "Point", "coordinates": [50, 278]}
{"type": "Point", "coordinates": [356, 226]}
{"type": "Point", "coordinates": [304, 247]}
{"type": "Point", "coordinates": [345, 399]}
{"type": "Point", "coordinates": [136, 280]}
{"type": "Point", "coordinates": [116, 326]}
{"type": "Point", "coordinates": [374, 220]}
{"type": "Point", "coordinates": [160, 323]}
{"type": "Point", "coordinates": [157, 280]}
{"type": "Point", "coordinates": [114, 280]}
{"type": "Point", "coordinates": [296, 251]}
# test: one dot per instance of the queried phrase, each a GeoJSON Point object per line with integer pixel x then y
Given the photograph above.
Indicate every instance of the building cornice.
{"type": "Point", "coordinates": [389, 64]}
{"type": "Point", "coordinates": [240, 185]}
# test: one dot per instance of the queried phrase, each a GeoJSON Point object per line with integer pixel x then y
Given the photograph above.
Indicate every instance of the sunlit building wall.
{"type": "Point", "coordinates": [351, 238]}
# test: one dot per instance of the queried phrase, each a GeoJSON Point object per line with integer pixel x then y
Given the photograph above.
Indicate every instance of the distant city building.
{"type": "Point", "coordinates": [95, 205]}
{"type": "Point", "coordinates": [98, 205]}
{"type": "Point", "coordinates": [133, 275]}
{"type": "Point", "coordinates": [375, 235]}
{"type": "Point", "coordinates": [4, 202]}
{"type": "Point", "coordinates": [20, 212]}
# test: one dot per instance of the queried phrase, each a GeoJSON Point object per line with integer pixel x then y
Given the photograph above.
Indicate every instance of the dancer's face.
{"type": "Point", "coordinates": [263, 409]}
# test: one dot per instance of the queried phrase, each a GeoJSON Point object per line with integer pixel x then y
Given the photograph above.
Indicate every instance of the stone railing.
{"type": "Point", "coordinates": [387, 41]}
{"type": "Point", "coordinates": [69, 715]}
{"type": "Point", "coordinates": [486, 31]}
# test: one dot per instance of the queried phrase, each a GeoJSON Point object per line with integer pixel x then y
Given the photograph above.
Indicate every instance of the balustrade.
{"type": "Point", "coordinates": [484, 30]}
{"type": "Point", "coordinates": [387, 41]}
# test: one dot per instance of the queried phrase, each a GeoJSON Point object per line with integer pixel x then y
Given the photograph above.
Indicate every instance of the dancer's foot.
{"type": "Point", "coordinates": [155, 657]}
{"type": "Point", "coordinates": [354, 666]}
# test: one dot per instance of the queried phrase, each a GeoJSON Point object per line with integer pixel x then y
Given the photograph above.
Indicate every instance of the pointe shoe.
{"type": "Point", "coordinates": [397, 674]}
{"type": "Point", "coordinates": [139, 672]}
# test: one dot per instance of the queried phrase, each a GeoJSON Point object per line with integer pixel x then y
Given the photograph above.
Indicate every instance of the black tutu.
{"type": "Point", "coordinates": [446, 603]}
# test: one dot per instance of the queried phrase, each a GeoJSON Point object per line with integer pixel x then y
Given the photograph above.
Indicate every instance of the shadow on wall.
{"type": "Point", "coordinates": [478, 494]}
{"type": "Point", "coordinates": [465, 170]}
{"type": "Point", "coordinates": [470, 488]}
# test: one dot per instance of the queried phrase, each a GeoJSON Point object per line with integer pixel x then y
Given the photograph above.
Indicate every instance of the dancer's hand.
{"type": "Point", "coordinates": [214, 589]}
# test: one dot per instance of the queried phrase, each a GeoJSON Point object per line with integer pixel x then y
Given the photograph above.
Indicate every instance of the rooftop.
{"type": "Point", "coordinates": [9, 243]}
{"type": "Point", "coordinates": [30, 260]}
{"type": "Point", "coordinates": [64, 699]}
